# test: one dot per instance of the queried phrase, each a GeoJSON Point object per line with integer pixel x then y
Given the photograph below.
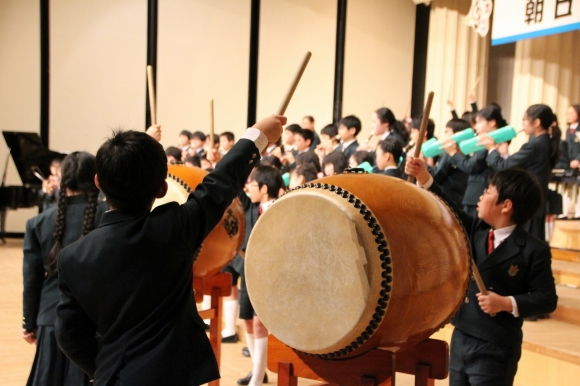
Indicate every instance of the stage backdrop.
{"type": "Point", "coordinates": [19, 85]}
{"type": "Point", "coordinates": [98, 58]}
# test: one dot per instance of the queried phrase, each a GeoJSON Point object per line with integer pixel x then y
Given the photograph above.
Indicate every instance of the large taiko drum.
{"type": "Point", "coordinates": [353, 262]}
{"type": "Point", "coordinates": [225, 240]}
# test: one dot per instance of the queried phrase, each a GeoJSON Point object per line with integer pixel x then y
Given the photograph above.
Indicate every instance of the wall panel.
{"type": "Point", "coordinates": [378, 58]}
{"type": "Point", "coordinates": [290, 28]}
{"type": "Point", "coordinates": [97, 61]}
{"type": "Point", "coordinates": [203, 54]}
{"type": "Point", "coordinates": [19, 85]}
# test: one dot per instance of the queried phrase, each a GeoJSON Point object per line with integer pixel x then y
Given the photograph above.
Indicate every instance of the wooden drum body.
{"type": "Point", "coordinates": [353, 262]}
{"type": "Point", "coordinates": [225, 240]}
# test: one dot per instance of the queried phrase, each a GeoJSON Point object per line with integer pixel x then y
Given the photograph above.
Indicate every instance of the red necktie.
{"type": "Point", "coordinates": [260, 210]}
{"type": "Point", "coordinates": [490, 241]}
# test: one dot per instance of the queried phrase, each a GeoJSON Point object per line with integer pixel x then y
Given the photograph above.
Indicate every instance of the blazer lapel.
{"type": "Point", "coordinates": [480, 247]}
{"type": "Point", "coordinates": [506, 250]}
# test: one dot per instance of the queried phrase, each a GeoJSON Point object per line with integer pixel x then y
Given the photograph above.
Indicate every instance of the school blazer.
{"type": "Point", "coordinates": [477, 169]}
{"type": "Point", "coordinates": [41, 294]}
{"type": "Point", "coordinates": [573, 144]}
{"type": "Point", "coordinates": [392, 173]}
{"type": "Point", "coordinates": [564, 161]}
{"type": "Point", "coordinates": [452, 180]}
{"type": "Point", "coordinates": [533, 156]}
{"type": "Point", "coordinates": [350, 149]}
{"type": "Point", "coordinates": [129, 283]}
{"type": "Point", "coordinates": [520, 267]}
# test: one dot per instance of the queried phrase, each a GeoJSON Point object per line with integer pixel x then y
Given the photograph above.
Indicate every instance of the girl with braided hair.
{"type": "Point", "coordinates": [77, 213]}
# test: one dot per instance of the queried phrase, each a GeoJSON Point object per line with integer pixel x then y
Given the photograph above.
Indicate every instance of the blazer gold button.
{"type": "Point", "coordinates": [466, 300]}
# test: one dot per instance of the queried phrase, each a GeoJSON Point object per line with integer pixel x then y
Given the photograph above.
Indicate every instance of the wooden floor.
{"type": "Point", "coordinates": [546, 349]}
{"type": "Point", "coordinates": [16, 355]}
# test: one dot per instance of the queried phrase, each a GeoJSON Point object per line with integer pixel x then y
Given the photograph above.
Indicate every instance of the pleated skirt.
{"type": "Point", "coordinates": [51, 367]}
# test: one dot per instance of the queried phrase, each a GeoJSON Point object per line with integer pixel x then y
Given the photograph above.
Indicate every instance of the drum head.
{"type": "Point", "coordinates": [346, 264]}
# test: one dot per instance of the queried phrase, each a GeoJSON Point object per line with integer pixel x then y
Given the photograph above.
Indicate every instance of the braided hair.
{"type": "Point", "coordinates": [78, 173]}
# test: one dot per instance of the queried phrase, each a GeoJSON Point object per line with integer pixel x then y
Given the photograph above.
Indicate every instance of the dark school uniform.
{"type": "Point", "coordinates": [129, 283]}
{"type": "Point", "coordinates": [41, 294]}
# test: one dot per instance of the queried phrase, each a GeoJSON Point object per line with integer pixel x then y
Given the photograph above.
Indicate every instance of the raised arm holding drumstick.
{"type": "Point", "coordinates": [513, 264]}
{"type": "Point", "coordinates": [149, 330]}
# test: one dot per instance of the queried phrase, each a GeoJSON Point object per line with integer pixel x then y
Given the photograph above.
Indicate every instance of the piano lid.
{"type": "Point", "coordinates": [28, 153]}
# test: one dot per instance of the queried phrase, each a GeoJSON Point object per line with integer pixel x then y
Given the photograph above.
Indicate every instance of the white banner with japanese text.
{"type": "Point", "coordinates": [515, 20]}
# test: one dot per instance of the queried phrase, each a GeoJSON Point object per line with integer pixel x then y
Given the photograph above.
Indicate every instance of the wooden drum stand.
{"type": "Point", "coordinates": [217, 286]}
{"type": "Point", "coordinates": [428, 361]}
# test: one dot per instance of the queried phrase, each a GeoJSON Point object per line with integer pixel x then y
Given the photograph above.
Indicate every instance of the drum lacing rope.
{"type": "Point", "coordinates": [386, 265]}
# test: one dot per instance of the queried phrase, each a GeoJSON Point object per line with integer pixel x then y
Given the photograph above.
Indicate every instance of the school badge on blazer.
{"type": "Point", "coordinates": [514, 269]}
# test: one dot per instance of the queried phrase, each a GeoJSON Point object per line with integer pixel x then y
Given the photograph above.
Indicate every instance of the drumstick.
{"type": "Point", "coordinates": [290, 92]}
{"type": "Point", "coordinates": [424, 123]}
{"type": "Point", "coordinates": [151, 89]}
{"type": "Point", "coordinates": [211, 125]}
{"type": "Point", "coordinates": [478, 279]}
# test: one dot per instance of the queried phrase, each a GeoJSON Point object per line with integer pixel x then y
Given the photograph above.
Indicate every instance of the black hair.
{"type": "Point", "coordinates": [351, 121]}
{"type": "Point", "coordinates": [522, 188]}
{"type": "Point", "coordinates": [131, 167]}
{"type": "Point", "coordinates": [294, 128]}
{"type": "Point", "coordinates": [269, 176]}
{"type": "Point", "coordinates": [331, 130]}
{"type": "Point", "coordinates": [310, 118]}
{"type": "Point", "coordinates": [199, 135]}
{"type": "Point", "coordinates": [458, 125]}
{"type": "Point", "coordinates": [271, 160]}
{"type": "Point", "coordinates": [391, 145]}
{"type": "Point", "coordinates": [194, 160]}
{"type": "Point", "coordinates": [337, 159]}
{"type": "Point", "coordinates": [309, 157]}
{"type": "Point", "coordinates": [186, 133]}
{"type": "Point", "coordinates": [229, 135]}
{"type": "Point", "coordinates": [416, 124]}
{"type": "Point", "coordinates": [308, 135]}
{"type": "Point", "coordinates": [308, 171]}
{"type": "Point", "coordinates": [174, 152]}
{"type": "Point", "coordinates": [546, 116]}
{"type": "Point", "coordinates": [362, 156]}
{"type": "Point", "coordinates": [385, 115]}
{"type": "Point", "coordinates": [78, 174]}
{"type": "Point", "coordinates": [492, 112]}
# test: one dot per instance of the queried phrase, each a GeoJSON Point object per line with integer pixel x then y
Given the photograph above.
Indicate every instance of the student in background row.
{"type": "Point", "coordinates": [348, 129]}
{"type": "Point", "coordinates": [475, 165]}
{"type": "Point", "coordinates": [334, 163]}
{"type": "Point", "coordinates": [388, 155]}
{"type": "Point", "coordinates": [227, 140]}
{"type": "Point", "coordinates": [452, 180]}
{"type": "Point", "coordinates": [308, 124]}
{"type": "Point", "coordinates": [329, 141]}
{"type": "Point", "coordinates": [538, 156]}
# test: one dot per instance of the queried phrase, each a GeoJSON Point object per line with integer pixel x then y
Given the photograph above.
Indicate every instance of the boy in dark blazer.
{"type": "Point", "coordinates": [127, 313]}
{"type": "Point", "coordinates": [388, 154]}
{"type": "Point", "coordinates": [516, 269]}
{"type": "Point", "coordinates": [450, 178]}
{"type": "Point", "coordinates": [348, 129]}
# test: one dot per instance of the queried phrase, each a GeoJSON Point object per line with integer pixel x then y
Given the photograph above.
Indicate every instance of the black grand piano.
{"type": "Point", "coordinates": [31, 159]}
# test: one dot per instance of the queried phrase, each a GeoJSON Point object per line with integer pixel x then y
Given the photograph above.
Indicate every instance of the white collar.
{"type": "Point", "coordinates": [499, 235]}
